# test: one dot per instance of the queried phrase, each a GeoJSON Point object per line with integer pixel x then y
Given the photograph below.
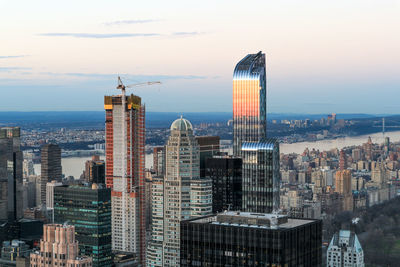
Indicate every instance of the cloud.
{"type": "Point", "coordinates": [18, 56]}
{"type": "Point", "coordinates": [183, 34]}
{"type": "Point", "coordinates": [125, 76]}
{"type": "Point", "coordinates": [117, 35]}
{"type": "Point", "coordinates": [98, 35]}
{"type": "Point", "coordinates": [7, 69]}
{"type": "Point", "coordinates": [133, 21]}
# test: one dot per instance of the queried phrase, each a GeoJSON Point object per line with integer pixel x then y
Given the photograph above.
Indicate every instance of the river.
{"type": "Point", "coordinates": [74, 166]}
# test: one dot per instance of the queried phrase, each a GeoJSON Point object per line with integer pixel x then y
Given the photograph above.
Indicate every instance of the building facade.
{"type": "Point", "coordinates": [58, 247]}
{"type": "Point", "coordinates": [249, 101]}
{"type": "Point", "coordinates": [209, 146]}
{"type": "Point", "coordinates": [159, 160]}
{"type": "Point", "coordinates": [250, 239]}
{"type": "Point", "coordinates": [95, 170]}
{"type": "Point", "coordinates": [181, 195]}
{"type": "Point", "coordinates": [51, 169]}
{"type": "Point", "coordinates": [345, 250]}
{"type": "Point", "coordinates": [226, 175]}
{"type": "Point", "coordinates": [125, 171]}
{"type": "Point", "coordinates": [260, 176]}
{"type": "Point", "coordinates": [11, 190]}
{"type": "Point", "coordinates": [89, 210]}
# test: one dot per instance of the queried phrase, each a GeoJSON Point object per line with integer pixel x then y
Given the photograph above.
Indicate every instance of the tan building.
{"type": "Point", "coordinates": [343, 187]}
{"type": "Point", "coordinates": [58, 247]}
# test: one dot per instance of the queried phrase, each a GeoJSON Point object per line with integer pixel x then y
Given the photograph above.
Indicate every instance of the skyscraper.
{"type": "Point", "coordinates": [50, 168]}
{"type": "Point", "coordinates": [181, 195]}
{"type": "Point", "coordinates": [95, 170]}
{"type": "Point", "coordinates": [89, 210]}
{"type": "Point", "coordinates": [11, 201]}
{"type": "Point", "coordinates": [260, 176]}
{"type": "Point", "coordinates": [58, 247]}
{"type": "Point", "coordinates": [225, 173]}
{"type": "Point", "coordinates": [209, 146]}
{"type": "Point", "coordinates": [249, 101]}
{"type": "Point", "coordinates": [125, 163]}
{"type": "Point", "coordinates": [159, 160]}
{"type": "Point", "coordinates": [251, 239]}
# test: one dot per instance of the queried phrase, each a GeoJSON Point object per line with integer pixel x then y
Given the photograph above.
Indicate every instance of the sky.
{"type": "Point", "coordinates": [322, 56]}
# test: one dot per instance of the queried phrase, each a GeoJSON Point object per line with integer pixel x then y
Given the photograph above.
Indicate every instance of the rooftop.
{"type": "Point", "coordinates": [267, 144]}
{"type": "Point", "coordinates": [253, 220]}
{"type": "Point", "coordinates": [181, 124]}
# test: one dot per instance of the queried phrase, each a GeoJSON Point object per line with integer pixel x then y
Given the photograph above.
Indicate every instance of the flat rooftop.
{"type": "Point", "coordinates": [253, 220]}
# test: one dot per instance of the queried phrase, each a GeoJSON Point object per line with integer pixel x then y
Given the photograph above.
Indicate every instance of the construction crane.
{"type": "Point", "coordinates": [125, 207]}
{"type": "Point", "coordinates": [122, 87]}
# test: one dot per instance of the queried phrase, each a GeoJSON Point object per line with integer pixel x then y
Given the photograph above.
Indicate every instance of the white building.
{"type": "Point", "coordinates": [345, 250]}
{"type": "Point", "coordinates": [50, 193]}
{"type": "Point", "coordinates": [180, 195]}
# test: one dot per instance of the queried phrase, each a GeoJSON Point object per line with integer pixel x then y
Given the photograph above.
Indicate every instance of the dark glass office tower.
{"type": "Point", "coordinates": [226, 175]}
{"type": "Point", "coordinates": [249, 101]}
{"type": "Point", "coordinates": [11, 203]}
{"type": "Point", "coordinates": [89, 210]}
{"type": "Point", "coordinates": [248, 239]}
{"type": "Point", "coordinates": [260, 176]}
{"type": "Point", "coordinates": [209, 146]}
{"type": "Point", "coordinates": [50, 168]}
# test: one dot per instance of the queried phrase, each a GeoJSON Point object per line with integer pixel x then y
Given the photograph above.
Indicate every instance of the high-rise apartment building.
{"type": "Point", "coordinates": [11, 190]}
{"type": "Point", "coordinates": [159, 160]}
{"type": "Point", "coordinates": [58, 247]}
{"type": "Point", "coordinates": [95, 170]}
{"type": "Point", "coordinates": [343, 182]}
{"type": "Point", "coordinates": [345, 250]}
{"type": "Point", "coordinates": [50, 168]}
{"type": "Point", "coordinates": [260, 176]}
{"type": "Point", "coordinates": [249, 101]}
{"type": "Point", "coordinates": [88, 208]}
{"type": "Point", "coordinates": [154, 256]}
{"type": "Point", "coordinates": [125, 164]}
{"type": "Point", "coordinates": [225, 173]}
{"type": "Point", "coordinates": [181, 195]}
{"type": "Point", "coordinates": [251, 239]}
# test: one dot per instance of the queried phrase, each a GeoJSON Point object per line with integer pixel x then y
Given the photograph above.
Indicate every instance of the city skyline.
{"type": "Point", "coordinates": [312, 67]}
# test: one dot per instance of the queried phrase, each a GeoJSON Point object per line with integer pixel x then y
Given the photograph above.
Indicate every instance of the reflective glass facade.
{"type": "Point", "coordinates": [89, 210]}
{"type": "Point", "coordinates": [245, 241]}
{"type": "Point", "coordinates": [261, 176]}
{"type": "Point", "coordinates": [226, 176]}
{"type": "Point", "coordinates": [249, 101]}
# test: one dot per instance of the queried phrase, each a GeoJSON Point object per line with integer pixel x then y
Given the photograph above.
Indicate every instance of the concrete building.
{"type": "Point", "coordinates": [345, 250]}
{"type": "Point", "coordinates": [181, 195]}
{"type": "Point", "coordinates": [125, 171]}
{"type": "Point", "coordinates": [50, 193]}
{"type": "Point", "coordinates": [58, 247]}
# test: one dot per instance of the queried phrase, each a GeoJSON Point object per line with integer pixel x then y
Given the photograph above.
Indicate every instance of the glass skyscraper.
{"type": "Point", "coordinates": [249, 101]}
{"type": "Point", "coordinates": [89, 210]}
{"type": "Point", "coordinates": [251, 239]}
{"type": "Point", "coordinates": [261, 176]}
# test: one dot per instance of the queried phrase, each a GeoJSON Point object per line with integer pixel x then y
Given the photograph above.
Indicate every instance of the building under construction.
{"type": "Point", "coordinates": [125, 164]}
